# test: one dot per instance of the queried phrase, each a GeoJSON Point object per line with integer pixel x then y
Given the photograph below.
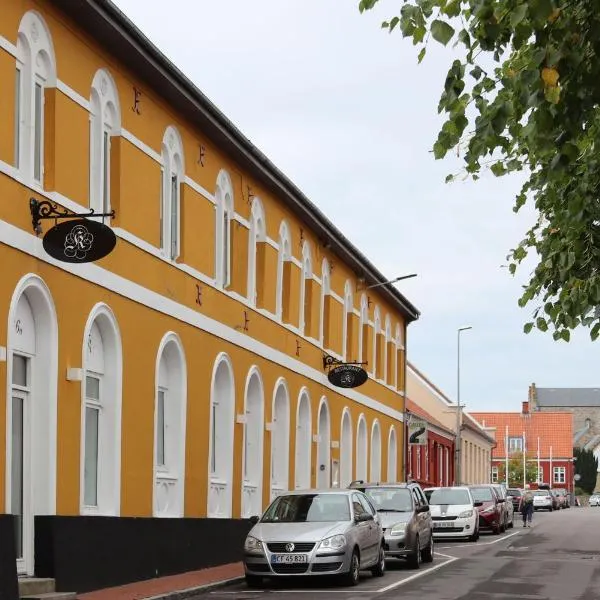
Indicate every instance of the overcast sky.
{"type": "Point", "coordinates": [345, 111]}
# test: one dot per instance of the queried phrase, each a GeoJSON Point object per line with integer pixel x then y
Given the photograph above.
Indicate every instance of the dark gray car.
{"type": "Point", "coordinates": [405, 518]}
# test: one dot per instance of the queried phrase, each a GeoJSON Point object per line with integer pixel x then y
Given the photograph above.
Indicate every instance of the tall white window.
{"type": "Point", "coordinates": [101, 415]}
{"type": "Point", "coordinates": [494, 474]}
{"type": "Point", "coordinates": [105, 122]}
{"type": "Point", "coordinates": [172, 176]}
{"type": "Point", "coordinates": [325, 304]}
{"type": "Point", "coordinates": [224, 217]}
{"type": "Point", "coordinates": [399, 353]}
{"type": "Point", "coordinates": [361, 449]}
{"type": "Point", "coordinates": [560, 475]}
{"type": "Point", "coordinates": [363, 332]}
{"type": "Point", "coordinates": [303, 452]}
{"type": "Point", "coordinates": [515, 444]}
{"type": "Point", "coordinates": [306, 291]}
{"type": "Point", "coordinates": [257, 235]}
{"type": "Point", "coordinates": [376, 452]}
{"type": "Point", "coordinates": [377, 354]}
{"type": "Point", "coordinates": [36, 71]}
{"type": "Point", "coordinates": [392, 470]}
{"type": "Point", "coordinates": [280, 440]}
{"type": "Point", "coordinates": [348, 333]}
{"type": "Point", "coordinates": [170, 428]}
{"type": "Point", "coordinates": [388, 360]}
{"type": "Point", "coordinates": [284, 263]}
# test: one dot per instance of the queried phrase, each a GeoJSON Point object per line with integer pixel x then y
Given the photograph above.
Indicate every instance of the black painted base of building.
{"type": "Point", "coordinates": [84, 554]}
{"type": "Point", "coordinates": [9, 587]}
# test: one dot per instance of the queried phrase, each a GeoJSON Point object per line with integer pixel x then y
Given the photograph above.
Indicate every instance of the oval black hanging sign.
{"type": "Point", "coordinates": [347, 376]}
{"type": "Point", "coordinates": [79, 241]}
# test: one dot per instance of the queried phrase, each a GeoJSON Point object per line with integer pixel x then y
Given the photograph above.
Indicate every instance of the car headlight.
{"type": "Point", "coordinates": [398, 529]}
{"type": "Point", "coordinates": [466, 514]}
{"type": "Point", "coordinates": [253, 545]}
{"type": "Point", "coordinates": [336, 542]}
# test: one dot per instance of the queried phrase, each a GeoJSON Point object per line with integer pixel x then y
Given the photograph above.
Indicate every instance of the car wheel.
{"type": "Point", "coordinates": [512, 522]}
{"type": "Point", "coordinates": [253, 581]}
{"type": "Point", "coordinates": [414, 560]}
{"type": "Point", "coordinates": [352, 576]}
{"type": "Point", "coordinates": [427, 555]}
{"type": "Point", "coordinates": [379, 569]}
{"type": "Point", "coordinates": [475, 536]}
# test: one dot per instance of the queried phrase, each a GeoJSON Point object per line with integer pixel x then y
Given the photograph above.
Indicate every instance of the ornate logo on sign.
{"type": "Point", "coordinates": [347, 376]}
{"type": "Point", "coordinates": [290, 547]}
{"type": "Point", "coordinates": [78, 243]}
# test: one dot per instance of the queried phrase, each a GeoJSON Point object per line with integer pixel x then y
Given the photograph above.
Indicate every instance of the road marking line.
{"type": "Point", "coordinates": [416, 575]}
{"type": "Point", "coordinates": [472, 545]}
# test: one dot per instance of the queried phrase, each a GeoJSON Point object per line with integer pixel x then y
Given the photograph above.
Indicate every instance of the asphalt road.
{"type": "Point", "coordinates": [557, 559]}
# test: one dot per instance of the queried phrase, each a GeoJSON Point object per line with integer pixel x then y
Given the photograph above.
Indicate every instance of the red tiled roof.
{"type": "Point", "coordinates": [414, 408]}
{"type": "Point", "coordinates": [554, 429]}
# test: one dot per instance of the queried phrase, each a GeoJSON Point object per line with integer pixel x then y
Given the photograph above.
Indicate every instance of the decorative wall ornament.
{"type": "Point", "coordinates": [137, 99]}
{"type": "Point", "coordinates": [298, 347]}
{"type": "Point", "coordinates": [198, 294]}
{"type": "Point", "coordinates": [251, 195]}
{"type": "Point", "coordinates": [202, 154]}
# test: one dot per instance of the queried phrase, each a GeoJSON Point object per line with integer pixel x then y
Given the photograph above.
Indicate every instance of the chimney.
{"type": "Point", "coordinates": [532, 397]}
{"type": "Point", "coordinates": [526, 408]}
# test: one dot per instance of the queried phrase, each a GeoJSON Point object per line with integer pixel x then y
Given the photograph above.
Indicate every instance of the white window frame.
{"type": "Point", "coordinates": [559, 475]}
{"type": "Point", "coordinates": [105, 123]}
{"type": "Point", "coordinates": [515, 444]}
{"type": "Point", "coordinates": [224, 215]}
{"type": "Point", "coordinates": [172, 178]}
{"type": "Point", "coordinates": [36, 65]}
{"type": "Point", "coordinates": [257, 234]}
{"type": "Point", "coordinates": [495, 474]}
{"type": "Point", "coordinates": [376, 331]}
{"type": "Point", "coordinates": [307, 274]}
{"type": "Point", "coordinates": [162, 393]}
{"type": "Point", "coordinates": [386, 351]}
{"type": "Point", "coordinates": [283, 256]}
{"type": "Point", "coordinates": [364, 320]}
{"type": "Point", "coordinates": [325, 291]}
{"type": "Point", "coordinates": [419, 462]}
{"type": "Point", "coordinates": [348, 311]}
{"type": "Point", "coordinates": [95, 405]}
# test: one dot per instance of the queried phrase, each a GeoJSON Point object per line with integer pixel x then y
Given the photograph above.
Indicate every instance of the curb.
{"type": "Point", "coordinates": [194, 591]}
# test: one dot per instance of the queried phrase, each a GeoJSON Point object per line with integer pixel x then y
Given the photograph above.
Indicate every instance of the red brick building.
{"type": "Point", "coordinates": [431, 464]}
{"type": "Point", "coordinates": [546, 438]}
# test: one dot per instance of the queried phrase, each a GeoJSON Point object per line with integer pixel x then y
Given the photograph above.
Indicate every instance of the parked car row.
{"type": "Point", "coordinates": [544, 498]}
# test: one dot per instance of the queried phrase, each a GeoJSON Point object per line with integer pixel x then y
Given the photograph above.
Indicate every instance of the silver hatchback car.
{"type": "Point", "coordinates": [311, 533]}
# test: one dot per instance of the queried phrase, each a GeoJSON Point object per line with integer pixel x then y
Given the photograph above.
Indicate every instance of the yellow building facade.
{"type": "Point", "coordinates": [182, 375]}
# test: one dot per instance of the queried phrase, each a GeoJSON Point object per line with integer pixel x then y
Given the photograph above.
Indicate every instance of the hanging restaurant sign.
{"type": "Point", "coordinates": [78, 240]}
{"type": "Point", "coordinates": [344, 375]}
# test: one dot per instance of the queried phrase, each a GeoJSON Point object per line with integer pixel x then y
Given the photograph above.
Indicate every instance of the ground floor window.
{"type": "Point", "coordinates": [494, 474]}
{"type": "Point", "coordinates": [560, 475]}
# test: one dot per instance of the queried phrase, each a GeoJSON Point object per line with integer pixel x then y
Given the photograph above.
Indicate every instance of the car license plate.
{"type": "Point", "coordinates": [289, 558]}
{"type": "Point", "coordinates": [442, 524]}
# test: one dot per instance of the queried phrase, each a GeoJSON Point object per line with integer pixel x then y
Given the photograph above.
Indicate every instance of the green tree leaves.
{"type": "Point", "coordinates": [537, 111]}
{"type": "Point", "coordinates": [586, 465]}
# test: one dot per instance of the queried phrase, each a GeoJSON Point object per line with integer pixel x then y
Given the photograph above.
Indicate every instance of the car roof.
{"type": "Point", "coordinates": [319, 491]}
{"type": "Point", "coordinates": [366, 484]}
{"type": "Point", "coordinates": [448, 487]}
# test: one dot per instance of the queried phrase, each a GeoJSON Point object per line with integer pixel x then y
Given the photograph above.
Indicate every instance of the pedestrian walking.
{"type": "Point", "coordinates": [527, 508]}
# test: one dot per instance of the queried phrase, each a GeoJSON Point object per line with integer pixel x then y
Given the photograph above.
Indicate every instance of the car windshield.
{"type": "Point", "coordinates": [390, 499]}
{"type": "Point", "coordinates": [541, 493]}
{"type": "Point", "coordinates": [308, 508]}
{"type": "Point", "coordinates": [482, 494]}
{"type": "Point", "coordinates": [445, 496]}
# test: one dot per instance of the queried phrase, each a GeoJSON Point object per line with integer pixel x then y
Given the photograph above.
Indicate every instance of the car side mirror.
{"type": "Point", "coordinates": [423, 509]}
{"type": "Point", "coordinates": [254, 519]}
{"type": "Point", "coordinates": [478, 503]}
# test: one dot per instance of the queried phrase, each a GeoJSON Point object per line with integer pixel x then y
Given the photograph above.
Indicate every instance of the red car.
{"type": "Point", "coordinates": [491, 512]}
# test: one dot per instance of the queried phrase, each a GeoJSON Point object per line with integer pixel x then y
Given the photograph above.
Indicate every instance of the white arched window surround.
{"type": "Point", "coordinates": [109, 406]}
{"type": "Point", "coordinates": [105, 122]}
{"type": "Point", "coordinates": [348, 310]}
{"type": "Point", "coordinates": [362, 449]}
{"type": "Point", "coordinates": [172, 177]}
{"type": "Point", "coordinates": [375, 470]}
{"type": "Point", "coordinates": [307, 274]}
{"type": "Point", "coordinates": [224, 216]}
{"type": "Point", "coordinates": [392, 464]}
{"type": "Point", "coordinates": [303, 454]}
{"type": "Point", "coordinates": [387, 358]}
{"type": "Point", "coordinates": [253, 444]}
{"type": "Point", "coordinates": [324, 445]}
{"type": "Point", "coordinates": [364, 321]}
{"type": "Point", "coordinates": [399, 346]}
{"type": "Point", "coordinates": [376, 332]}
{"type": "Point", "coordinates": [36, 70]}
{"type": "Point", "coordinates": [346, 448]}
{"type": "Point", "coordinates": [285, 254]}
{"type": "Point", "coordinates": [39, 433]}
{"type": "Point", "coordinates": [325, 291]}
{"type": "Point", "coordinates": [221, 438]}
{"type": "Point", "coordinates": [170, 411]}
{"type": "Point", "coordinates": [258, 234]}
{"type": "Point", "coordinates": [280, 438]}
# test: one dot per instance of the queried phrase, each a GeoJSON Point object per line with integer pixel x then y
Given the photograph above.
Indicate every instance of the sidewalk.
{"type": "Point", "coordinates": [173, 587]}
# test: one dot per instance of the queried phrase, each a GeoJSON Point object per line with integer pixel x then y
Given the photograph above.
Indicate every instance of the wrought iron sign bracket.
{"type": "Point", "coordinates": [331, 361]}
{"type": "Point", "coordinates": [43, 209]}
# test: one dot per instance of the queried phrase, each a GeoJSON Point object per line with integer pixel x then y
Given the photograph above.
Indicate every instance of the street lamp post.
{"type": "Point", "coordinates": [458, 449]}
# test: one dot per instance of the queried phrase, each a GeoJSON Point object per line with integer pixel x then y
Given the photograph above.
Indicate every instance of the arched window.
{"type": "Point", "coordinates": [348, 323]}
{"type": "Point", "coordinates": [364, 330]}
{"type": "Point", "coordinates": [256, 254]}
{"type": "Point", "coordinates": [303, 442]}
{"type": "Point", "coordinates": [388, 369]}
{"type": "Point", "coordinates": [377, 346]}
{"type": "Point", "coordinates": [361, 449]}
{"type": "Point", "coordinates": [400, 359]}
{"type": "Point", "coordinates": [36, 71]}
{"type": "Point", "coordinates": [31, 412]}
{"type": "Point", "coordinates": [346, 450]}
{"type": "Point", "coordinates": [101, 414]}
{"type": "Point", "coordinates": [224, 216]}
{"type": "Point", "coordinates": [172, 176]}
{"type": "Point", "coordinates": [392, 464]}
{"type": "Point", "coordinates": [170, 427]}
{"type": "Point", "coordinates": [280, 440]}
{"type": "Point", "coordinates": [105, 122]}
{"type": "Point", "coordinates": [252, 459]}
{"type": "Point", "coordinates": [325, 303]}
{"type": "Point", "coordinates": [221, 434]}
{"type": "Point", "coordinates": [375, 451]}
{"type": "Point", "coordinates": [306, 292]}
{"type": "Point", "coordinates": [323, 446]}
{"type": "Point", "coordinates": [284, 274]}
